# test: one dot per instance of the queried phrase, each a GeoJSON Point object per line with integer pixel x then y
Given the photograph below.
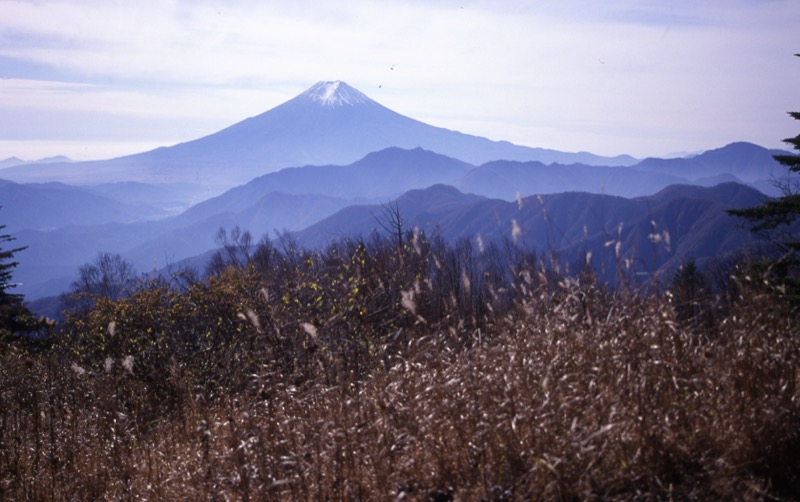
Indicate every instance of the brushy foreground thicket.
{"type": "Point", "coordinates": [427, 372]}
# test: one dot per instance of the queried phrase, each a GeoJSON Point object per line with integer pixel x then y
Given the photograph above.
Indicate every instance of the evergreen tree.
{"type": "Point", "coordinates": [782, 213]}
{"type": "Point", "coordinates": [779, 211]}
{"type": "Point", "coordinates": [14, 316]}
{"type": "Point", "coordinates": [691, 295]}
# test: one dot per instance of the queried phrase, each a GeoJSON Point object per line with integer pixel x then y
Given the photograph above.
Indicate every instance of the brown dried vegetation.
{"type": "Point", "coordinates": [375, 371]}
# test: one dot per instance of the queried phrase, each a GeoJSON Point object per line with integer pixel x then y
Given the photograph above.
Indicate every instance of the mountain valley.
{"type": "Point", "coordinates": [325, 163]}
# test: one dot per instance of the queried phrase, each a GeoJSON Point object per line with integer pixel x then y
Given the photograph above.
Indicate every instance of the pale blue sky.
{"type": "Point", "coordinates": [96, 79]}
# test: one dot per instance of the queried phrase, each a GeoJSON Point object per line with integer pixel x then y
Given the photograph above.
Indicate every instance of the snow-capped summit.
{"type": "Point", "coordinates": [334, 94]}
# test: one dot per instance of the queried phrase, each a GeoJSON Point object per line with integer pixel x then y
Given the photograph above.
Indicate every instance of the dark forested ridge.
{"type": "Point", "coordinates": [414, 369]}
{"type": "Point", "coordinates": [659, 232]}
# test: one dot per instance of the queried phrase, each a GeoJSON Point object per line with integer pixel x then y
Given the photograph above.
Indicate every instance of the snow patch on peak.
{"type": "Point", "coordinates": [329, 92]}
{"type": "Point", "coordinates": [334, 94]}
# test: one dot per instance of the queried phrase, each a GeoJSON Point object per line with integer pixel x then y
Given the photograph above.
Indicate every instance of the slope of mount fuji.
{"type": "Point", "coordinates": [330, 123]}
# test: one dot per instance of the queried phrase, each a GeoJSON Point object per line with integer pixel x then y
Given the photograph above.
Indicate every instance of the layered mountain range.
{"type": "Point", "coordinates": [322, 165]}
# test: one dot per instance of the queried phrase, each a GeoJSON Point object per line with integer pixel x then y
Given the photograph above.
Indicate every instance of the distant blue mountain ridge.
{"type": "Point", "coordinates": [322, 164]}
{"type": "Point", "coordinates": [49, 216]}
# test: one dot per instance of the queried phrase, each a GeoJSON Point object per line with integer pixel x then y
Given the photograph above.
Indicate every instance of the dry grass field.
{"type": "Point", "coordinates": [422, 372]}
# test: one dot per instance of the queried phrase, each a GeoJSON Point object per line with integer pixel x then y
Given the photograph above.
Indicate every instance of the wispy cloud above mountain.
{"type": "Point", "coordinates": [95, 79]}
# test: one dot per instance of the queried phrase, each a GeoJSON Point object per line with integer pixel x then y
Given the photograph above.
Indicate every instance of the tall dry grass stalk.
{"type": "Point", "coordinates": [567, 391]}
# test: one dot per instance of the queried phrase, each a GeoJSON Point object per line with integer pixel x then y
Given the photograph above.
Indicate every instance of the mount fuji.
{"type": "Point", "coordinates": [330, 123]}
